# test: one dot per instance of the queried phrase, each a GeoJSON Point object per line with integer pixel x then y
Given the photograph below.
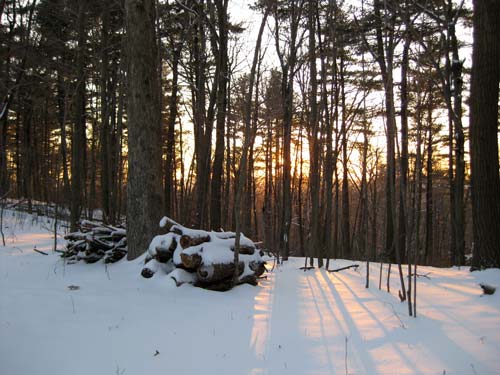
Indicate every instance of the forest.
{"type": "Point", "coordinates": [325, 129]}
{"type": "Point", "coordinates": [276, 187]}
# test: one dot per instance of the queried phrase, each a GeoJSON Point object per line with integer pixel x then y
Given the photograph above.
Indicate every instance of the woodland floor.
{"type": "Point", "coordinates": [295, 322]}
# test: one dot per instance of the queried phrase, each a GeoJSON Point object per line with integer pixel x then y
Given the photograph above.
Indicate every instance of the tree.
{"type": "Point", "coordinates": [246, 145]}
{"type": "Point", "coordinates": [223, 77]}
{"type": "Point", "coordinates": [144, 148]}
{"type": "Point", "coordinates": [485, 181]}
{"type": "Point", "coordinates": [78, 135]}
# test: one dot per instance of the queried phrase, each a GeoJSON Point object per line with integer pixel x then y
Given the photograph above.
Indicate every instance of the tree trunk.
{"type": "Point", "coordinates": [78, 135]}
{"type": "Point", "coordinates": [202, 123]}
{"type": "Point", "coordinates": [456, 128]}
{"type": "Point", "coordinates": [222, 99]}
{"type": "Point", "coordinates": [485, 181]}
{"type": "Point", "coordinates": [314, 170]}
{"type": "Point", "coordinates": [144, 198]}
{"type": "Point", "coordinates": [104, 130]}
{"type": "Point", "coordinates": [345, 227]}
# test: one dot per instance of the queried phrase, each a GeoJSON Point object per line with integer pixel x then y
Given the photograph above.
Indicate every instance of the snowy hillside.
{"type": "Point", "coordinates": [91, 319]}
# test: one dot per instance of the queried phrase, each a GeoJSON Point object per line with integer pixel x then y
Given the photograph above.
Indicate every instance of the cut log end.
{"type": "Point", "coordinates": [147, 273]}
{"type": "Point", "coordinates": [487, 289]}
{"type": "Point", "coordinates": [191, 261]}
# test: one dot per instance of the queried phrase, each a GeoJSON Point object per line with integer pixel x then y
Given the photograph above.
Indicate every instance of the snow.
{"type": "Point", "coordinates": [162, 241]}
{"type": "Point", "coordinates": [181, 276]}
{"type": "Point", "coordinates": [163, 221]}
{"type": "Point", "coordinates": [294, 322]}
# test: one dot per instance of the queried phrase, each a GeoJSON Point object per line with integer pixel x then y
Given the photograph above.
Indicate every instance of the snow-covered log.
{"type": "Point", "coordinates": [216, 272]}
{"type": "Point", "coordinates": [245, 249]}
{"type": "Point", "coordinates": [204, 259]}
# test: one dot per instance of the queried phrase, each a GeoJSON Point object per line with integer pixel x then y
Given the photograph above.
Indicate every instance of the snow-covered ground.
{"type": "Point", "coordinates": [88, 319]}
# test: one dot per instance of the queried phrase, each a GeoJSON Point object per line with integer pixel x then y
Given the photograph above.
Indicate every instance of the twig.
{"type": "Point", "coordinates": [2, 207]}
{"type": "Point", "coordinates": [40, 251]}
{"type": "Point", "coordinates": [274, 264]}
{"type": "Point", "coordinates": [426, 275]}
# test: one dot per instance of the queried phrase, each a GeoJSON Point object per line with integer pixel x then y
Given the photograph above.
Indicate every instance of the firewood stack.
{"type": "Point", "coordinates": [95, 241]}
{"type": "Point", "coordinates": [204, 259]}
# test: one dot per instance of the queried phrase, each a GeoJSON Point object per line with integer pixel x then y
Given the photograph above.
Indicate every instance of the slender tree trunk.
{"type": "Point", "coordinates": [172, 118]}
{"type": "Point", "coordinates": [104, 129]}
{"type": "Point", "coordinates": [62, 97]}
{"type": "Point", "coordinates": [403, 191]}
{"type": "Point", "coordinates": [345, 224]}
{"type": "Point", "coordinates": [28, 150]}
{"type": "Point", "coordinates": [429, 204]}
{"type": "Point", "coordinates": [300, 193]}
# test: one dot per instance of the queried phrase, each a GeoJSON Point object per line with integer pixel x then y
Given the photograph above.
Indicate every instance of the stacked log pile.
{"type": "Point", "coordinates": [204, 259]}
{"type": "Point", "coordinates": [96, 241]}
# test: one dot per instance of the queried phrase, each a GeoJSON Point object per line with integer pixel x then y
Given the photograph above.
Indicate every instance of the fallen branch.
{"type": "Point", "coordinates": [345, 268]}
{"type": "Point", "coordinates": [40, 252]}
{"type": "Point", "coordinates": [306, 268]}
